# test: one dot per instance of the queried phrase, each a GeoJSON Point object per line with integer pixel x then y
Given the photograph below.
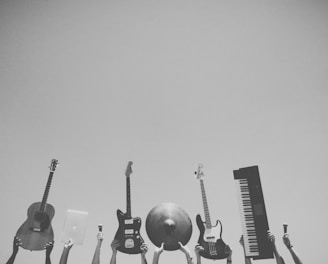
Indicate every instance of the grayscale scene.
{"type": "Point", "coordinates": [135, 127]}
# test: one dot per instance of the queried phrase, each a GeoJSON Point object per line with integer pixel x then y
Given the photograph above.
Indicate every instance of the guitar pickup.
{"type": "Point", "coordinates": [128, 231]}
{"type": "Point", "coordinates": [128, 221]}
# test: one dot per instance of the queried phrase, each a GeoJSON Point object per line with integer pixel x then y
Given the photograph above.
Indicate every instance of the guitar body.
{"type": "Point", "coordinates": [210, 240]}
{"type": "Point", "coordinates": [37, 231]}
{"type": "Point", "coordinates": [128, 234]}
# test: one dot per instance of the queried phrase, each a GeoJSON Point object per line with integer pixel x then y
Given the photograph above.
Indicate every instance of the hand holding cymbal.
{"type": "Point", "coordinates": [169, 224]}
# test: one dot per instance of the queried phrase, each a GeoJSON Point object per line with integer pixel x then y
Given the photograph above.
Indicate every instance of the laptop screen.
{"type": "Point", "coordinates": [75, 226]}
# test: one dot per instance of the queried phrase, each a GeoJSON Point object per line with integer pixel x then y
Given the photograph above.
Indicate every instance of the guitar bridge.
{"type": "Point", "coordinates": [212, 249]}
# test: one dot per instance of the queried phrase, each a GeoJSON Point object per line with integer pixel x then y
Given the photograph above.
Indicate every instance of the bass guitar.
{"type": "Point", "coordinates": [128, 233]}
{"type": "Point", "coordinates": [210, 237]}
{"type": "Point", "coordinates": [36, 232]}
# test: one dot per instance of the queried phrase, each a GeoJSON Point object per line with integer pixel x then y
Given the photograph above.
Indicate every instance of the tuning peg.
{"type": "Point", "coordinates": [199, 167]}
{"type": "Point", "coordinates": [54, 163]}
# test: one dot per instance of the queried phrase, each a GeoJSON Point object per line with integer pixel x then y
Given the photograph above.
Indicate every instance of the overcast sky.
{"type": "Point", "coordinates": [165, 84]}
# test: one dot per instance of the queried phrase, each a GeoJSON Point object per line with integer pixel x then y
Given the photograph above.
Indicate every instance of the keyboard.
{"type": "Point", "coordinates": [253, 215]}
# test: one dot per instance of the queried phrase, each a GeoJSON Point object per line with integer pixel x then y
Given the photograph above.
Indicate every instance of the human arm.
{"type": "Point", "coordinates": [229, 252]}
{"type": "Point", "coordinates": [49, 247]}
{"type": "Point", "coordinates": [96, 255]}
{"type": "Point", "coordinates": [186, 251]}
{"type": "Point", "coordinates": [247, 259]}
{"type": "Point", "coordinates": [291, 249]}
{"type": "Point", "coordinates": [66, 250]}
{"type": "Point", "coordinates": [17, 242]}
{"type": "Point", "coordinates": [276, 254]}
{"type": "Point", "coordinates": [198, 249]}
{"type": "Point", "coordinates": [114, 245]}
{"type": "Point", "coordinates": [157, 253]}
{"type": "Point", "coordinates": [144, 249]}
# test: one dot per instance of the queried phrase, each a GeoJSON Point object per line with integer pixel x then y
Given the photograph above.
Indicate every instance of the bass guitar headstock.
{"type": "Point", "coordinates": [129, 169]}
{"type": "Point", "coordinates": [53, 165]}
{"type": "Point", "coordinates": [199, 172]}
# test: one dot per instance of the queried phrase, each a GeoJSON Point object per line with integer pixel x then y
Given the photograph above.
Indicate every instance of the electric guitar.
{"type": "Point", "coordinates": [36, 232]}
{"type": "Point", "coordinates": [210, 236]}
{"type": "Point", "coordinates": [128, 233]}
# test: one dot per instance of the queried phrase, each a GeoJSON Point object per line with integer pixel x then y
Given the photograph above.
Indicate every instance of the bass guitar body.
{"type": "Point", "coordinates": [210, 240]}
{"type": "Point", "coordinates": [36, 232]}
{"type": "Point", "coordinates": [128, 234]}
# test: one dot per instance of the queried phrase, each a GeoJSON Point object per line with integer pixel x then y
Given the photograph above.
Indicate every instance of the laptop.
{"type": "Point", "coordinates": [75, 226]}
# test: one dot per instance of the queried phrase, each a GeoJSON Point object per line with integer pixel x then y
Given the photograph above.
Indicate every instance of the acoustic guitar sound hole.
{"type": "Point", "coordinates": [40, 216]}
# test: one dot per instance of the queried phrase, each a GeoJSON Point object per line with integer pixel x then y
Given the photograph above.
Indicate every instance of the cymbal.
{"type": "Point", "coordinates": [169, 224]}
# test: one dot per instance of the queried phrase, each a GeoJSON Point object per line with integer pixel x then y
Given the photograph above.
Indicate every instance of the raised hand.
{"type": "Point", "coordinates": [114, 245]}
{"type": "Point", "coordinates": [159, 250]}
{"type": "Point", "coordinates": [144, 248]}
{"type": "Point", "coordinates": [68, 244]}
{"type": "Point", "coordinates": [198, 249]}
{"type": "Point", "coordinates": [228, 251]}
{"type": "Point", "coordinates": [49, 246]}
{"type": "Point", "coordinates": [100, 237]}
{"type": "Point", "coordinates": [16, 244]}
{"type": "Point", "coordinates": [241, 241]}
{"type": "Point", "coordinates": [286, 241]}
{"type": "Point", "coordinates": [271, 238]}
{"type": "Point", "coordinates": [184, 249]}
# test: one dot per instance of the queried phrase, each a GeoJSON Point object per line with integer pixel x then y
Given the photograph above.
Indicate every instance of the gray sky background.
{"type": "Point", "coordinates": [166, 84]}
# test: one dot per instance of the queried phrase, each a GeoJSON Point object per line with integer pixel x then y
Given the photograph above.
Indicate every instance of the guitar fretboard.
{"type": "Point", "coordinates": [46, 192]}
{"type": "Point", "coordinates": [205, 205]}
{"type": "Point", "coordinates": [128, 198]}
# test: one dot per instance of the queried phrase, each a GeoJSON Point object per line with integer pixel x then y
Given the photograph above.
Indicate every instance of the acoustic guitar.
{"type": "Point", "coordinates": [128, 233]}
{"type": "Point", "coordinates": [210, 237]}
{"type": "Point", "coordinates": [36, 232]}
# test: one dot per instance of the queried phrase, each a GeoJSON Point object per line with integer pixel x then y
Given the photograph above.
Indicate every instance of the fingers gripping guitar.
{"type": "Point", "coordinates": [128, 233]}
{"type": "Point", "coordinates": [210, 236]}
{"type": "Point", "coordinates": [36, 232]}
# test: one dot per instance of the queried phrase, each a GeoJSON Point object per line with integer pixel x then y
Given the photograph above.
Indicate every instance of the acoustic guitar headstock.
{"type": "Point", "coordinates": [53, 165]}
{"type": "Point", "coordinates": [199, 172]}
{"type": "Point", "coordinates": [129, 169]}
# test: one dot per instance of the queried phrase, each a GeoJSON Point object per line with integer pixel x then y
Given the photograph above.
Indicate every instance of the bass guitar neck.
{"type": "Point", "coordinates": [210, 236]}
